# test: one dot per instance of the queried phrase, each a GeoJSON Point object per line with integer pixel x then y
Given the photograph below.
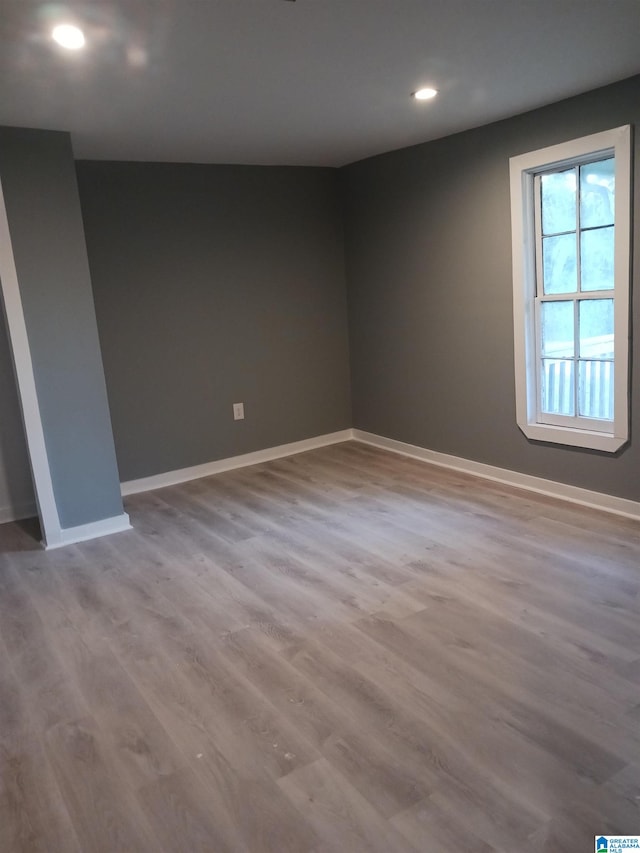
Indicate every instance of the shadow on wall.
{"type": "Point", "coordinates": [16, 486]}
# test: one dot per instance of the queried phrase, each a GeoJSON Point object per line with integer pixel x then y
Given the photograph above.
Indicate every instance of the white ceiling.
{"type": "Point", "coordinates": [311, 82]}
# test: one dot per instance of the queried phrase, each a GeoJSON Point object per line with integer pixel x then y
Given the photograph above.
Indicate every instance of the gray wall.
{"type": "Point", "coordinates": [430, 294]}
{"type": "Point", "coordinates": [16, 488]}
{"type": "Point", "coordinates": [218, 284]}
{"type": "Point", "coordinates": [215, 285]}
{"type": "Point", "coordinates": [41, 197]}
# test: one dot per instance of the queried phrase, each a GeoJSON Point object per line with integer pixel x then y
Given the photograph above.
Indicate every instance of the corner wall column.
{"type": "Point", "coordinates": [46, 291]}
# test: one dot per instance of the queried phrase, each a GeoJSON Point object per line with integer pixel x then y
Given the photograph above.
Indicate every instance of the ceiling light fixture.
{"type": "Point", "coordinates": [425, 94]}
{"type": "Point", "coordinates": [68, 36]}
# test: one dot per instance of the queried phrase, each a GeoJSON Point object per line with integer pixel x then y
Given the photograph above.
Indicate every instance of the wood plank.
{"type": "Point", "coordinates": [33, 816]}
{"type": "Point", "coordinates": [342, 650]}
{"type": "Point", "coordinates": [339, 814]}
{"type": "Point", "coordinates": [104, 818]}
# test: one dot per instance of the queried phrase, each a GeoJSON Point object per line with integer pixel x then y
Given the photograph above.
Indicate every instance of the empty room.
{"type": "Point", "coordinates": [319, 473]}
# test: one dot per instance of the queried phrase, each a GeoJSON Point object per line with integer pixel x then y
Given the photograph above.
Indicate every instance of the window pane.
{"type": "Point", "coordinates": [558, 202]}
{"type": "Point", "coordinates": [557, 387]}
{"type": "Point", "coordinates": [597, 182]}
{"type": "Point", "coordinates": [596, 259]}
{"type": "Point", "coordinates": [595, 389]}
{"type": "Point", "coordinates": [557, 329]}
{"type": "Point", "coordinates": [596, 328]}
{"type": "Point", "coordinates": [559, 264]}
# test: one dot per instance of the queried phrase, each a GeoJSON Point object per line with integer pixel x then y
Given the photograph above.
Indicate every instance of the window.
{"type": "Point", "coordinates": [570, 219]}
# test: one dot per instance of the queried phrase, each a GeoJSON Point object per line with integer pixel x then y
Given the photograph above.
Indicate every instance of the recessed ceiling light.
{"type": "Point", "coordinates": [69, 36]}
{"type": "Point", "coordinates": [425, 94]}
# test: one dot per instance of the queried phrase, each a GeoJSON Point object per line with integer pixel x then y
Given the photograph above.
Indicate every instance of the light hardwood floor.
{"type": "Point", "coordinates": [345, 651]}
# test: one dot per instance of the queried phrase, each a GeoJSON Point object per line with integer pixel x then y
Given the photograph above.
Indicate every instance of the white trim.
{"type": "Point", "coordinates": [523, 170]}
{"type": "Point", "coordinates": [34, 431]}
{"type": "Point", "coordinates": [556, 155]}
{"type": "Point", "coordinates": [550, 488]}
{"type": "Point", "coordinates": [93, 530]}
{"type": "Point", "coordinates": [16, 512]}
{"type": "Point", "coordinates": [183, 475]}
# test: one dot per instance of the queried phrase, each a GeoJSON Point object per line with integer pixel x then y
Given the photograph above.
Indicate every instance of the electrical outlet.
{"type": "Point", "coordinates": [238, 411]}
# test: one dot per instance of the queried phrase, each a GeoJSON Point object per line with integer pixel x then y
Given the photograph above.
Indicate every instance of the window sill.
{"type": "Point", "coordinates": [604, 441]}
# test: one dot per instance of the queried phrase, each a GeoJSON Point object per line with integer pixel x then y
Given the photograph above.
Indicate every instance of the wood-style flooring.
{"type": "Point", "coordinates": [341, 651]}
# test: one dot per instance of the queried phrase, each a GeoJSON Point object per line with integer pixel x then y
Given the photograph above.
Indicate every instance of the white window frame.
{"type": "Point", "coordinates": [607, 436]}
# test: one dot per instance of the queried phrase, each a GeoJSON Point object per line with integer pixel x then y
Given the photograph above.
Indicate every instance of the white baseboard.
{"type": "Point", "coordinates": [83, 532]}
{"type": "Point", "coordinates": [16, 512]}
{"type": "Point", "coordinates": [550, 488]}
{"type": "Point", "coordinates": [183, 475]}
{"type": "Point", "coordinates": [528, 482]}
